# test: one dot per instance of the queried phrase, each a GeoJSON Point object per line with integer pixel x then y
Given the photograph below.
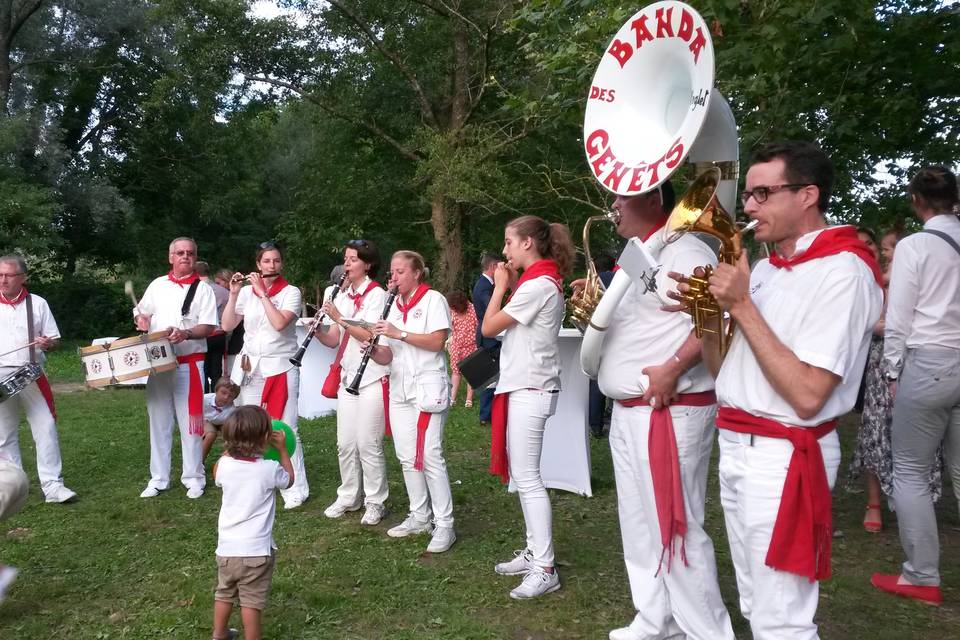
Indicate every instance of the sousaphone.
{"type": "Point", "coordinates": [651, 106]}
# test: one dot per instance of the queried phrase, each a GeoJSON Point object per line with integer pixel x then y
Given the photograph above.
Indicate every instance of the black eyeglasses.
{"type": "Point", "coordinates": [760, 194]}
{"type": "Point", "coordinates": [184, 252]}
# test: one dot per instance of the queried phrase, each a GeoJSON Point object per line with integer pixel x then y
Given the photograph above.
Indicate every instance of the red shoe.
{"type": "Point", "coordinates": [888, 582]}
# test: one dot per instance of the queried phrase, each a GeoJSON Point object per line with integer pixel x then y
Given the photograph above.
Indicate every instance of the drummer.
{"type": "Point", "coordinates": [184, 308]}
{"type": "Point", "coordinates": [36, 399]}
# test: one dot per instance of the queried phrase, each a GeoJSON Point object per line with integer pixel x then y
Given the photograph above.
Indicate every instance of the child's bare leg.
{"type": "Point", "coordinates": [208, 440]}
{"type": "Point", "coordinates": [251, 623]}
{"type": "Point", "coordinates": [221, 618]}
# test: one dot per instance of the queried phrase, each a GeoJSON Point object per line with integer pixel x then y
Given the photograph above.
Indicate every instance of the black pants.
{"type": "Point", "coordinates": [213, 361]}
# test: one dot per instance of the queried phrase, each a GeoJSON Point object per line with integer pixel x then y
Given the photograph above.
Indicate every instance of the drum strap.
{"type": "Point", "coordinates": [188, 300]}
{"type": "Point", "coordinates": [33, 349]}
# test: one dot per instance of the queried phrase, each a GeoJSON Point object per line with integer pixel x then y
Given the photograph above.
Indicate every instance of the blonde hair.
{"type": "Point", "coordinates": [245, 431]}
{"type": "Point", "coordinates": [416, 262]}
{"type": "Point", "coordinates": [552, 240]}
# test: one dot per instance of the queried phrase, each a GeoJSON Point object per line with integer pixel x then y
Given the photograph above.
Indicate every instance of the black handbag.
{"type": "Point", "coordinates": [480, 368]}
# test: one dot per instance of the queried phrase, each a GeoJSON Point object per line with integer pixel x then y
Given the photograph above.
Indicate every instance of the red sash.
{"type": "Point", "coordinates": [190, 279]}
{"type": "Point", "coordinates": [665, 471]}
{"type": "Point", "coordinates": [803, 531]}
{"type": "Point", "coordinates": [831, 242]}
{"type": "Point", "coordinates": [498, 437]}
{"type": "Point", "coordinates": [195, 393]}
{"type": "Point", "coordinates": [385, 388]}
{"type": "Point", "coordinates": [422, 423]}
{"type": "Point", "coordinates": [17, 299]}
{"type": "Point", "coordinates": [418, 294]}
{"type": "Point", "coordinates": [47, 393]}
{"type": "Point", "coordinates": [274, 289]}
{"type": "Point", "coordinates": [274, 397]}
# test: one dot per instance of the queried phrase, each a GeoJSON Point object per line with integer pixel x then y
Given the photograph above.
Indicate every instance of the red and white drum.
{"type": "Point", "coordinates": [127, 359]}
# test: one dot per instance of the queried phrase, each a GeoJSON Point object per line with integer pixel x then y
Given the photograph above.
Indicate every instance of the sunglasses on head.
{"type": "Point", "coordinates": [269, 244]}
{"type": "Point", "coordinates": [357, 244]}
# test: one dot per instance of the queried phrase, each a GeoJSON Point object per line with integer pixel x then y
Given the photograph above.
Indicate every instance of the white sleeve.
{"type": "Point", "coordinates": [280, 477]}
{"type": "Point", "coordinates": [438, 312]}
{"type": "Point", "coordinates": [205, 303]}
{"type": "Point", "coordinates": [147, 304]}
{"type": "Point", "coordinates": [528, 300]}
{"type": "Point", "coordinates": [373, 305]}
{"type": "Point", "coordinates": [46, 325]}
{"type": "Point", "coordinates": [292, 300]}
{"type": "Point", "coordinates": [901, 304]}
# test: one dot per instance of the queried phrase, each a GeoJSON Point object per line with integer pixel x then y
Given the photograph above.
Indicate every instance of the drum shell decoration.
{"type": "Point", "coordinates": [19, 380]}
{"type": "Point", "coordinates": [127, 359]}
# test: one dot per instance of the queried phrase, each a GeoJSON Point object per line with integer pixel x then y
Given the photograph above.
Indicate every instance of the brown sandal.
{"type": "Point", "coordinates": [873, 526]}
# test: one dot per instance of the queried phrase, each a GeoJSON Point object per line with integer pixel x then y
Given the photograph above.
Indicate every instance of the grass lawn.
{"type": "Point", "coordinates": [115, 566]}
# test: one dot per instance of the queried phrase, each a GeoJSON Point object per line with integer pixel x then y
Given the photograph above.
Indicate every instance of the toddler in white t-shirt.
{"type": "Point", "coordinates": [245, 547]}
{"type": "Point", "coordinates": [217, 407]}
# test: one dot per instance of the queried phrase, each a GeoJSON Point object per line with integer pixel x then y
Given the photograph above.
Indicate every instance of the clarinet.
{"type": "Point", "coordinates": [315, 324]}
{"type": "Point", "coordinates": [354, 388]}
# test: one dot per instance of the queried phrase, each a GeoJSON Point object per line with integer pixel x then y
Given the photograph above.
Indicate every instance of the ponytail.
{"type": "Point", "coordinates": [552, 240]}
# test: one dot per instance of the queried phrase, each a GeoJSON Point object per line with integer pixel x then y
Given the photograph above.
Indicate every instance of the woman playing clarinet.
{"type": "Point", "coordinates": [526, 394]}
{"type": "Point", "coordinates": [360, 417]}
{"type": "Point", "coordinates": [268, 308]}
{"type": "Point", "coordinates": [416, 331]}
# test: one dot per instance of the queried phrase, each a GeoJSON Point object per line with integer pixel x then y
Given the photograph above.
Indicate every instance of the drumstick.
{"type": "Point", "coordinates": [29, 344]}
{"type": "Point", "coordinates": [128, 289]}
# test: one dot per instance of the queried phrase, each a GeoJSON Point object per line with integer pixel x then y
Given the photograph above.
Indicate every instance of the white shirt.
{"type": "Point", "coordinates": [162, 302]}
{"type": "Point", "coordinates": [924, 302]}
{"type": "Point", "coordinates": [371, 306]}
{"type": "Point", "coordinates": [431, 314]}
{"type": "Point", "coordinates": [641, 335]}
{"type": "Point", "coordinates": [249, 504]}
{"type": "Point", "coordinates": [824, 311]}
{"type": "Point", "coordinates": [530, 357]}
{"type": "Point", "coordinates": [13, 320]}
{"type": "Point", "coordinates": [214, 414]}
{"type": "Point", "coordinates": [269, 350]}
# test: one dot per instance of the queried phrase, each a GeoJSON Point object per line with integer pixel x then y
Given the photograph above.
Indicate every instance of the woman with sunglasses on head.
{"type": "Point", "coordinates": [268, 309]}
{"type": "Point", "coordinates": [526, 394]}
{"type": "Point", "coordinates": [360, 417]}
{"type": "Point", "coordinates": [416, 331]}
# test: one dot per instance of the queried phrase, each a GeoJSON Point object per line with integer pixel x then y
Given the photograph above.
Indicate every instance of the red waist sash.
{"type": "Point", "coordinates": [195, 393]}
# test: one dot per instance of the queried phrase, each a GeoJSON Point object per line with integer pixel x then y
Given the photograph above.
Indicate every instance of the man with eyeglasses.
{"type": "Point", "coordinates": [36, 399]}
{"type": "Point", "coordinates": [804, 320]}
{"type": "Point", "coordinates": [186, 309]}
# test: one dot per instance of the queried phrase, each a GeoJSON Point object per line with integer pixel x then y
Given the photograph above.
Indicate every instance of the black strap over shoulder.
{"type": "Point", "coordinates": [33, 349]}
{"type": "Point", "coordinates": [188, 300]}
{"type": "Point", "coordinates": [949, 240]}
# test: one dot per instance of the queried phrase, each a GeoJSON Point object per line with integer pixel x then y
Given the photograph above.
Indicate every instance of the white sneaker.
{"type": "Point", "coordinates": [443, 538]}
{"type": "Point", "coordinates": [623, 633]}
{"type": "Point", "coordinates": [7, 576]}
{"type": "Point", "coordinates": [373, 514]}
{"type": "Point", "coordinates": [61, 494]}
{"type": "Point", "coordinates": [150, 492]}
{"type": "Point", "coordinates": [193, 493]}
{"type": "Point", "coordinates": [409, 527]}
{"type": "Point", "coordinates": [536, 583]}
{"type": "Point", "coordinates": [337, 509]}
{"type": "Point", "coordinates": [522, 563]}
{"type": "Point", "coordinates": [292, 503]}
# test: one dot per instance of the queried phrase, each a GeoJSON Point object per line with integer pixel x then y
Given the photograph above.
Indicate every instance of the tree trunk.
{"type": "Point", "coordinates": [4, 76]}
{"type": "Point", "coordinates": [445, 218]}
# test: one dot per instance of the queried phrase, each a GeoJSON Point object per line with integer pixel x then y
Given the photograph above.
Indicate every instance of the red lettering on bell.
{"type": "Point", "coordinates": [597, 142]}
{"type": "Point", "coordinates": [599, 165]}
{"type": "Point", "coordinates": [636, 180]}
{"type": "Point", "coordinates": [610, 95]}
{"type": "Point", "coordinates": [615, 176]}
{"type": "Point", "coordinates": [674, 154]}
{"type": "Point", "coordinates": [639, 27]}
{"type": "Point", "coordinates": [622, 51]}
{"type": "Point", "coordinates": [698, 43]}
{"type": "Point", "coordinates": [664, 28]}
{"type": "Point", "coordinates": [594, 92]}
{"type": "Point", "coordinates": [686, 25]}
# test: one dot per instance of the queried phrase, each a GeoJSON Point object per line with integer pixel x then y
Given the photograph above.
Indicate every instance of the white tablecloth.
{"type": "Point", "coordinates": [313, 371]}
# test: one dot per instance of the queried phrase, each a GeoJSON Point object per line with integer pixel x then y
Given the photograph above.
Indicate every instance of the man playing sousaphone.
{"type": "Point", "coordinates": [183, 306]}
{"type": "Point", "coordinates": [27, 334]}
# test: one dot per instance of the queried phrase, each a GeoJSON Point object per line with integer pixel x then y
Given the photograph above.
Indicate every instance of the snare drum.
{"type": "Point", "coordinates": [19, 380]}
{"type": "Point", "coordinates": [127, 359]}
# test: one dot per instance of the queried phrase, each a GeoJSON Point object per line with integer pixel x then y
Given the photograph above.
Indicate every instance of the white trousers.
{"type": "Point", "coordinates": [428, 490]}
{"type": "Point", "coordinates": [44, 430]}
{"type": "Point", "coordinates": [360, 429]}
{"type": "Point", "coordinates": [684, 601]}
{"type": "Point", "coordinates": [527, 415]}
{"type": "Point", "coordinates": [252, 393]}
{"type": "Point", "coordinates": [167, 395]}
{"type": "Point", "coordinates": [14, 487]}
{"type": "Point", "coordinates": [779, 605]}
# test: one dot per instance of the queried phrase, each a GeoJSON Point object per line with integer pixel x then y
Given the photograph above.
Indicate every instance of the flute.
{"type": "Point", "coordinates": [315, 324]}
{"type": "Point", "coordinates": [354, 387]}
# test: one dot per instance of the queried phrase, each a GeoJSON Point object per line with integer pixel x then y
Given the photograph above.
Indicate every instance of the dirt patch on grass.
{"type": "Point", "coordinates": [69, 387]}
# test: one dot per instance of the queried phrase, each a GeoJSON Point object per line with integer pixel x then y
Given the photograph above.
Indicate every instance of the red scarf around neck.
{"type": "Point", "coordinates": [15, 300]}
{"type": "Point", "coordinates": [545, 267]}
{"type": "Point", "coordinates": [275, 288]}
{"type": "Point", "coordinates": [831, 242]}
{"type": "Point", "coordinates": [357, 298]}
{"type": "Point", "coordinates": [417, 296]}
{"type": "Point", "coordinates": [190, 279]}
{"type": "Point", "coordinates": [656, 227]}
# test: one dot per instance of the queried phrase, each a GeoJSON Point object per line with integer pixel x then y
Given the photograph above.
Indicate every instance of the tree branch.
{"type": "Point", "coordinates": [425, 107]}
{"type": "Point", "coordinates": [26, 10]}
{"type": "Point", "coordinates": [405, 151]}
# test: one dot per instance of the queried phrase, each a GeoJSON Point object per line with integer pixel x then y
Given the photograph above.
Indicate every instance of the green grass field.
{"type": "Point", "coordinates": [113, 565]}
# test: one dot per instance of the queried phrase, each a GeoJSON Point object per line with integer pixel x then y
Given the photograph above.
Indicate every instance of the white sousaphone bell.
{"type": "Point", "coordinates": [652, 104]}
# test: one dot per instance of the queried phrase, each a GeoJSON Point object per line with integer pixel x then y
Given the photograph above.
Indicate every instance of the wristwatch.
{"type": "Point", "coordinates": [403, 336]}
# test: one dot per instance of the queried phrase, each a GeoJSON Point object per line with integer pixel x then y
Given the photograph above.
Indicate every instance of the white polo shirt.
{"type": "Point", "coordinates": [824, 311]}
{"type": "Point", "coordinates": [371, 306]}
{"type": "Point", "coordinates": [269, 350]}
{"type": "Point", "coordinates": [431, 314]}
{"type": "Point", "coordinates": [249, 505]}
{"type": "Point", "coordinates": [641, 335]}
{"type": "Point", "coordinates": [530, 357]}
{"type": "Point", "coordinates": [13, 320]}
{"type": "Point", "coordinates": [214, 414]}
{"type": "Point", "coordinates": [162, 302]}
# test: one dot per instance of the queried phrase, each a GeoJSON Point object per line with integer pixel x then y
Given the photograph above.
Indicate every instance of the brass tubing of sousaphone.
{"type": "Point", "coordinates": [582, 304]}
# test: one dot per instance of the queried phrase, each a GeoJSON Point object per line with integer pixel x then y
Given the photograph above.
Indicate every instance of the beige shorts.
{"type": "Point", "coordinates": [209, 427]}
{"type": "Point", "coordinates": [244, 580]}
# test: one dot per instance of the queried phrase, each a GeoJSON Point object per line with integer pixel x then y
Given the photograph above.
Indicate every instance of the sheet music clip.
{"type": "Point", "coordinates": [639, 264]}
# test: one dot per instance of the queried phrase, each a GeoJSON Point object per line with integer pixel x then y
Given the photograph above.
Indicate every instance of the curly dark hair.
{"type": "Point", "coordinates": [246, 431]}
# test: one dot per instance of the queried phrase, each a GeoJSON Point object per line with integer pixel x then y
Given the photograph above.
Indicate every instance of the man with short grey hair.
{"type": "Point", "coordinates": [29, 330]}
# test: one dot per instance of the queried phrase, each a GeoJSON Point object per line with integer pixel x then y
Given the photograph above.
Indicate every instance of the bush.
{"type": "Point", "coordinates": [85, 309]}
